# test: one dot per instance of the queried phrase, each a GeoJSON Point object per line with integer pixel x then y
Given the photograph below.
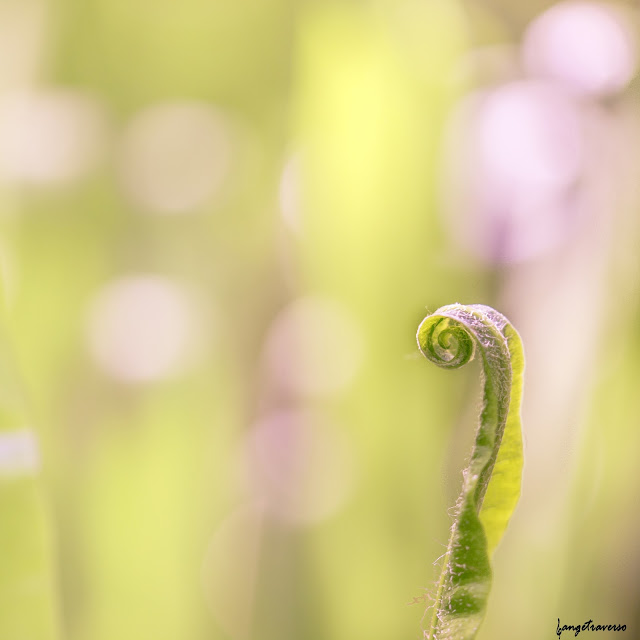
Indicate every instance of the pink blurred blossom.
{"type": "Point", "coordinates": [586, 45]}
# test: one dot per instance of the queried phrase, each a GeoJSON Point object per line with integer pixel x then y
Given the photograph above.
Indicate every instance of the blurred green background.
{"type": "Point", "coordinates": [221, 224]}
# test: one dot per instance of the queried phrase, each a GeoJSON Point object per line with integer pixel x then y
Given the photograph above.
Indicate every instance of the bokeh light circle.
{"type": "Point", "coordinates": [586, 45]}
{"type": "Point", "coordinates": [175, 157]}
{"type": "Point", "coordinates": [142, 328]}
{"type": "Point", "coordinates": [49, 137]}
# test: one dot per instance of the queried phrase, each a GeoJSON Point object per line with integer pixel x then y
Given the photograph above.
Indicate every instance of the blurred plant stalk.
{"type": "Point", "coordinates": [27, 592]}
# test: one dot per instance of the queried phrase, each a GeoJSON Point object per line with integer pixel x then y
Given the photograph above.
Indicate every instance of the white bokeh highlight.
{"type": "Point", "coordinates": [19, 453]}
{"type": "Point", "coordinates": [49, 137]}
{"type": "Point", "coordinates": [175, 156]}
{"type": "Point", "coordinates": [143, 328]}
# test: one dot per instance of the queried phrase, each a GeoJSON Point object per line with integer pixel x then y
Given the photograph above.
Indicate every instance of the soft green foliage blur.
{"type": "Point", "coordinates": [146, 519]}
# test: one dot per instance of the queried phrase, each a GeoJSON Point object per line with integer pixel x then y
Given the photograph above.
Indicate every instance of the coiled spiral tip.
{"type": "Point", "coordinates": [445, 341]}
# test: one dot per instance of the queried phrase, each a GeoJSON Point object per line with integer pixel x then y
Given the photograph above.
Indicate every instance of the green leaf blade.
{"type": "Point", "coordinates": [503, 491]}
{"type": "Point", "coordinates": [450, 338]}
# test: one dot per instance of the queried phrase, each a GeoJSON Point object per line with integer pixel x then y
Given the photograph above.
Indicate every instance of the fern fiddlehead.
{"type": "Point", "coordinates": [450, 338]}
